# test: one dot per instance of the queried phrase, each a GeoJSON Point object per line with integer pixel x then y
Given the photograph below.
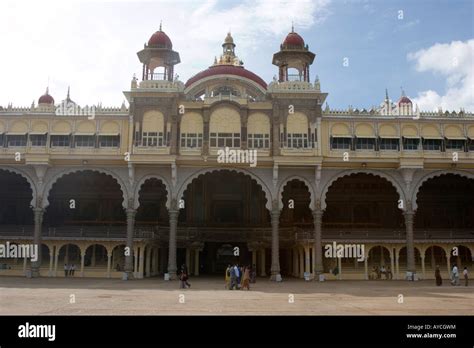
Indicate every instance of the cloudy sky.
{"type": "Point", "coordinates": [424, 46]}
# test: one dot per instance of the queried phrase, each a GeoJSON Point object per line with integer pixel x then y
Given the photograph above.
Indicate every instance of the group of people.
{"type": "Point", "coordinates": [378, 273]}
{"type": "Point", "coordinates": [454, 276]}
{"type": "Point", "coordinates": [240, 277]}
{"type": "Point", "coordinates": [69, 269]}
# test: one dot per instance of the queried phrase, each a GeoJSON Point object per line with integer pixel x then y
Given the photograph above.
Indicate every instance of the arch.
{"type": "Point", "coordinates": [364, 130]}
{"type": "Point", "coordinates": [143, 179]}
{"type": "Point", "coordinates": [2, 127]}
{"type": "Point", "coordinates": [430, 131]}
{"type": "Point", "coordinates": [225, 120]}
{"type": "Point", "coordinates": [388, 130]}
{"type": "Point", "coordinates": [297, 123]}
{"type": "Point", "coordinates": [409, 131]}
{"type": "Point", "coordinates": [91, 245]}
{"type": "Point", "coordinates": [300, 178]}
{"type": "Point", "coordinates": [65, 244]}
{"type": "Point", "coordinates": [39, 127]}
{"type": "Point", "coordinates": [453, 132]}
{"type": "Point", "coordinates": [191, 122]}
{"type": "Point", "coordinates": [259, 181]}
{"type": "Point", "coordinates": [349, 172]}
{"type": "Point", "coordinates": [55, 178]}
{"type": "Point", "coordinates": [258, 123]}
{"type": "Point", "coordinates": [153, 121]}
{"type": "Point", "coordinates": [470, 132]}
{"type": "Point", "coordinates": [34, 200]}
{"type": "Point", "coordinates": [61, 127]}
{"type": "Point", "coordinates": [109, 128]}
{"type": "Point", "coordinates": [340, 129]}
{"type": "Point", "coordinates": [19, 127]}
{"type": "Point", "coordinates": [86, 128]}
{"type": "Point", "coordinates": [429, 176]}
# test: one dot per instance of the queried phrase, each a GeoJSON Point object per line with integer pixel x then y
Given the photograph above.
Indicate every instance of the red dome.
{"type": "Point", "coordinates": [293, 39]}
{"type": "Point", "coordinates": [160, 39]}
{"type": "Point", "coordinates": [404, 100]}
{"type": "Point", "coordinates": [46, 99]}
{"type": "Point", "coordinates": [226, 70]}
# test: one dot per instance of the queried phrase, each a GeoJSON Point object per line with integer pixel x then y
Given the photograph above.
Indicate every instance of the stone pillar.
{"type": "Point", "coordinates": [366, 268]}
{"type": "Point", "coordinates": [275, 217]}
{"type": "Point", "coordinates": [56, 257]}
{"type": "Point", "coordinates": [172, 268]}
{"type": "Point", "coordinates": [301, 256]}
{"type": "Point", "coordinates": [409, 215]}
{"type": "Point", "coordinates": [188, 260]}
{"type": "Point", "coordinates": [448, 263]}
{"type": "Point", "coordinates": [392, 261]}
{"type": "Point", "coordinates": [397, 263]}
{"type": "Point", "coordinates": [339, 265]}
{"type": "Point", "coordinates": [306, 259]}
{"type": "Point", "coordinates": [129, 255]}
{"type": "Point", "coordinates": [38, 217]}
{"type": "Point", "coordinates": [52, 253]}
{"type": "Point", "coordinates": [318, 244]}
{"type": "Point", "coordinates": [24, 265]}
{"type": "Point", "coordinates": [295, 262]}
{"type": "Point", "coordinates": [148, 261]}
{"type": "Point", "coordinates": [423, 266]}
{"type": "Point", "coordinates": [141, 262]}
{"type": "Point", "coordinates": [135, 262]}
{"type": "Point", "coordinates": [196, 262]}
{"type": "Point", "coordinates": [382, 258]}
{"type": "Point", "coordinates": [313, 253]}
{"type": "Point", "coordinates": [156, 260]}
{"type": "Point", "coordinates": [262, 261]}
{"type": "Point", "coordinates": [83, 258]}
{"type": "Point", "coordinates": [109, 262]}
{"type": "Point", "coordinates": [93, 255]}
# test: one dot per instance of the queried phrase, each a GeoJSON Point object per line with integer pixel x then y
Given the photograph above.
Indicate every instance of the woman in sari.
{"type": "Point", "coordinates": [246, 279]}
{"type": "Point", "coordinates": [227, 277]}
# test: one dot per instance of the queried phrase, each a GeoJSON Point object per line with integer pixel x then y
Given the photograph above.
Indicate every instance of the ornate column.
{"type": "Point", "coordinates": [38, 217]}
{"type": "Point", "coordinates": [423, 265]}
{"type": "Point", "coordinates": [366, 268]}
{"type": "Point", "coordinates": [52, 253]}
{"type": "Point", "coordinates": [130, 230]}
{"type": "Point", "coordinates": [318, 244]}
{"type": "Point", "coordinates": [392, 261]}
{"type": "Point", "coordinates": [397, 263]}
{"type": "Point", "coordinates": [301, 257]}
{"type": "Point", "coordinates": [172, 268]}
{"type": "Point", "coordinates": [295, 262]}
{"type": "Point", "coordinates": [306, 259]}
{"type": "Point", "coordinates": [409, 216]}
{"type": "Point", "coordinates": [275, 217]}
{"type": "Point", "coordinates": [148, 261]}
{"type": "Point", "coordinates": [83, 258]}
{"type": "Point", "coordinates": [109, 262]}
{"type": "Point", "coordinates": [262, 261]}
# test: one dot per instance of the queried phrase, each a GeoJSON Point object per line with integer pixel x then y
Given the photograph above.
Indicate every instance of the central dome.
{"type": "Point", "coordinates": [227, 70]}
{"type": "Point", "coordinates": [293, 39]}
{"type": "Point", "coordinates": [160, 39]}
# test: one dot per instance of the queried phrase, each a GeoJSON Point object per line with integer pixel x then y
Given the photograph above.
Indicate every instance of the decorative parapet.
{"type": "Point", "coordinates": [160, 85]}
{"type": "Point", "coordinates": [292, 87]}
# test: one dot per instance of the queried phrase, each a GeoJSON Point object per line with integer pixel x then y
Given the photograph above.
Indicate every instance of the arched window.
{"type": "Point", "coordinates": [297, 131]}
{"type": "Point", "coordinates": [258, 129]}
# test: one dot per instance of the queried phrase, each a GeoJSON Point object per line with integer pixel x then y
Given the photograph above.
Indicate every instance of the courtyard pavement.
{"type": "Point", "coordinates": [207, 296]}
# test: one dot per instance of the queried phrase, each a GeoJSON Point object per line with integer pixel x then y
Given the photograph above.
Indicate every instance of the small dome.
{"type": "Point", "coordinates": [46, 98]}
{"type": "Point", "coordinates": [293, 40]}
{"type": "Point", "coordinates": [229, 39]}
{"type": "Point", "coordinates": [160, 39]}
{"type": "Point", "coordinates": [404, 100]}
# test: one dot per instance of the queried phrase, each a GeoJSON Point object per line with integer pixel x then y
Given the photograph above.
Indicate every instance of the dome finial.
{"type": "Point", "coordinates": [403, 92]}
{"type": "Point", "coordinates": [292, 26]}
{"type": "Point", "coordinates": [161, 25]}
{"type": "Point", "coordinates": [386, 94]}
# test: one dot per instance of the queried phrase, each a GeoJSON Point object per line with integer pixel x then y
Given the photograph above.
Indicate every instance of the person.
{"type": "Point", "coordinates": [246, 278]}
{"type": "Point", "coordinates": [455, 278]}
{"type": "Point", "coordinates": [233, 278]}
{"type": "Point", "coordinates": [389, 274]}
{"type": "Point", "coordinates": [253, 274]}
{"type": "Point", "coordinates": [183, 277]}
{"type": "Point", "coordinates": [237, 276]}
{"type": "Point", "coordinates": [465, 276]}
{"type": "Point", "coordinates": [382, 272]}
{"type": "Point", "coordinates": [73, 269]}
{"type": "Point", "coordinates": [439, 280]}
{"type": "Point", "coordinates": [227, 277]}
{"type": "Point", "coordinates": [66, 269]}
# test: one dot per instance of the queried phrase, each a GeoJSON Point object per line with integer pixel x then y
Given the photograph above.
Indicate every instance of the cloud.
{"type": "Point", "coordinates": [455, 62]}
{"type": "Point", "coordinates": [92, 45]}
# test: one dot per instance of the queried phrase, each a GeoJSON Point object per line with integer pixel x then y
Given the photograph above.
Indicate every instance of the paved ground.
{"type": "Point", "coordinates": [50, 296]}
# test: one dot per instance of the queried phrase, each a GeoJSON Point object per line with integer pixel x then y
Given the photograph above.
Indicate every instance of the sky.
{"type": "Point", "coordinates": [362, 47]}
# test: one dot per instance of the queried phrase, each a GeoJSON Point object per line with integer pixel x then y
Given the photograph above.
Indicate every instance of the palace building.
{"type": "Point", "coordinates": [88, 186]}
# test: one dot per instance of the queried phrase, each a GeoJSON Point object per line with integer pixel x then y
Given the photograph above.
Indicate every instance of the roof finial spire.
{"type": "Point", "coordinates": [161, 24]}
{"type": "Point", "coordinates": [292, 26]}
{"type": "Point", "coordinates": [386, 94]}
{"type": "Point", "coordinates": [68, 90]}
{"type": "Point", "coordinates": [403, 92]}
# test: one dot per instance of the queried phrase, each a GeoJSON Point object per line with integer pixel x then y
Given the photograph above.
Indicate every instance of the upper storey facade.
{"type": "Point", "coordinates": [226, 105]}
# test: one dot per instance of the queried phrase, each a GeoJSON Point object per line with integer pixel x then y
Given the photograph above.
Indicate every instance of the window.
{"type": "Point", "coordinates": [225, 139]}
{"type": "Point", "coordinates": [84, 140]}
{"type": "Point", "coordinates": [152, 139]}
{"type": "Point", "coordinates": [457, 144]}
{"type": "Point", "coordinates": [38, 139]}
{"type": "Point", "coordinates": [60, 140]}
{"type": "Point", "coordinates": [389, 144]}
{"type": "Point", "coordinates": [365, 143]}
{"type": "Point", "coordinates": [432, 144]}
{"type": "Point", "coordinates": [338, 143]}
{"type": "Point", "coordinates": [16, 140]}
{"type": "Point", "coordinates": [470, 148]}
{"type": "Point", "coordinates": [258, 141]}
{"type": "Point", "coordinates": [109, 141]}
{"type": "Point", "coordinates": [191, 140]}
{"type": "Point", "coordinates": [2, 137]}
{"type": "Point", "coordinates": [297, 141]}
{"type": "Point", "coordinates": [411, 143]}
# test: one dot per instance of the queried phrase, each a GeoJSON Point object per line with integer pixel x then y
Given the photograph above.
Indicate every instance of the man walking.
{"type": "Point", "coordinates": [465, 276]}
